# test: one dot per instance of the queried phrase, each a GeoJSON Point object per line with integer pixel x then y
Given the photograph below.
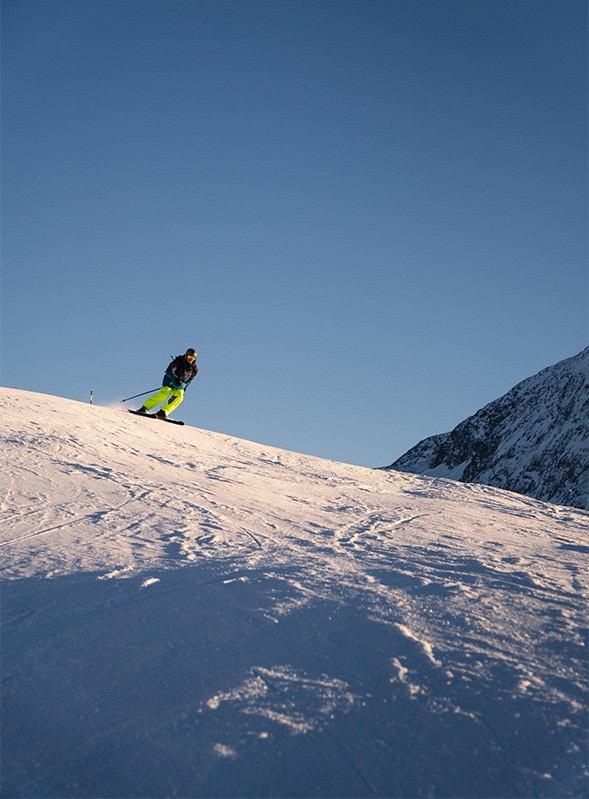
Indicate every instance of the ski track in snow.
{"type": "Point", "coordinates": [376, 619]}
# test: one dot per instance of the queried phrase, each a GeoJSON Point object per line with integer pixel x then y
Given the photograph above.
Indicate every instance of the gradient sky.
{"type": "Point", "coordinates": [370, 218]}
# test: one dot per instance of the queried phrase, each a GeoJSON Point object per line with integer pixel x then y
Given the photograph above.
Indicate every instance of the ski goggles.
{"type": "Point", "coordinates": [191, 358]}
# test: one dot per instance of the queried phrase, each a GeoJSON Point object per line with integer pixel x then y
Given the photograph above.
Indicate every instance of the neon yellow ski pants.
{"type": "Point", "coordinates": [174, 397]}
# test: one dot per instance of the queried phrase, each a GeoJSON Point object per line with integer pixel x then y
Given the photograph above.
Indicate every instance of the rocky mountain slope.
{"type": "Point", "coordinates": [534, 440]}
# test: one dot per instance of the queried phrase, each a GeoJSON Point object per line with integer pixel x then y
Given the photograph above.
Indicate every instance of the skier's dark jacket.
{"type": "Point", "coordinates": [180, 373]}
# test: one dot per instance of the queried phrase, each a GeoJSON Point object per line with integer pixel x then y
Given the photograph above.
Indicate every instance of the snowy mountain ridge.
{"type": "Point", "coordinates": [534, 440]}
{"type": "Point", "coordinates": [189, 614]}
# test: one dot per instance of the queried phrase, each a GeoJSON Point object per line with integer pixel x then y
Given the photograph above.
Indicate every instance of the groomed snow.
{"type": "Point", "coordinates": [187, 614]}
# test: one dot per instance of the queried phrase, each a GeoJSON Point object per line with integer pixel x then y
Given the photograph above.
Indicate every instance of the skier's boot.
{"type": "Point", "coordinates": [161, 414]}
{"type": "Point", "coordinates": [142, 409]}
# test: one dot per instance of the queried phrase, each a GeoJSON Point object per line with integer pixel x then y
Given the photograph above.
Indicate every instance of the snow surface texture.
{"type": "Point", "coordinates": [187, 614]}
{"type": "Point", "coordinates": [533, 440]}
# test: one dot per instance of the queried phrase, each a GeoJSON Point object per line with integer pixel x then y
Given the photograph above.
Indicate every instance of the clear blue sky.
{"type": "Point", "coordinates": [370, 218]}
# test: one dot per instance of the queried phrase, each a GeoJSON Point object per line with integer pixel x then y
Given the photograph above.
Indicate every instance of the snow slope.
{"type": "Point", "coordinates": [187, 614]}
{"type": "Point", "coordinates": [533, 440]}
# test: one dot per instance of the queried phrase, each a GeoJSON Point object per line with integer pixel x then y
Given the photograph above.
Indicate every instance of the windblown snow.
{"type": "Point", "coordinates": [188, 614]}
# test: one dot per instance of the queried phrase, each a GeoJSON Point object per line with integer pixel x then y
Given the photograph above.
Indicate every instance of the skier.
{"type": "Point", "coordinates": [179, 375]}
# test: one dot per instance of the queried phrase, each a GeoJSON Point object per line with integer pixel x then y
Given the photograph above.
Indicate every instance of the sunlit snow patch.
{"type": "Point", "coordinates": [279, 693]}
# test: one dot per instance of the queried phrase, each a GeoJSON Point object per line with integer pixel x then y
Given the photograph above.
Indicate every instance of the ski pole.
{"type": "Point", "coordinates": [143, 393]}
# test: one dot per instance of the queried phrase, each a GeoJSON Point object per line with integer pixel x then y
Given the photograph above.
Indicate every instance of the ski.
{"type": "Point", "coordinates": [153, 416]}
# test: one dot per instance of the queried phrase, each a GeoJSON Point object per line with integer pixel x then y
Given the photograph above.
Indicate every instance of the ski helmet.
{"type": "Point", "coordinates": [191, 351]}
